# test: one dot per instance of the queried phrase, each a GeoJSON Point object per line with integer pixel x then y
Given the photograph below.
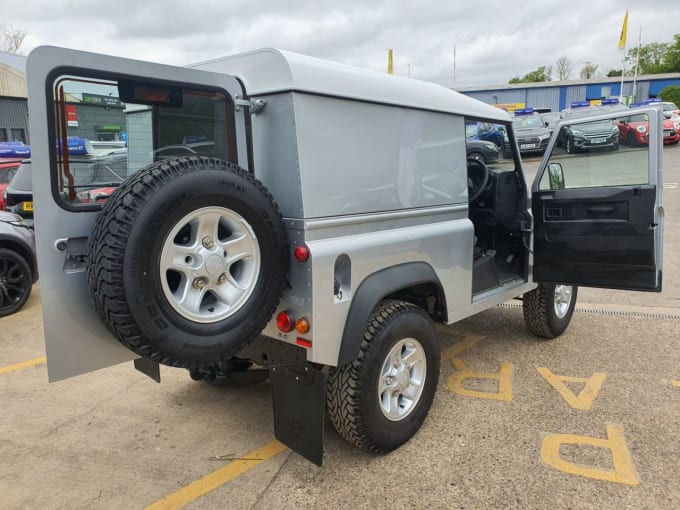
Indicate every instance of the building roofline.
{"type": "Point", "coordinates": [549, 84]}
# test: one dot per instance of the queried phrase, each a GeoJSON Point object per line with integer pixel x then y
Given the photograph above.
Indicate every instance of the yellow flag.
{"type": "Point", "coordinates": [390, 67]}
{"type": "Point", "coordinates": [624, 29]}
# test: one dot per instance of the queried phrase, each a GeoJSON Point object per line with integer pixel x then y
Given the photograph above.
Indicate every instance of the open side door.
{"type": "Point", "coordinates": [96, 120]}
{"type": "Point", "coordinates": [596, 201]}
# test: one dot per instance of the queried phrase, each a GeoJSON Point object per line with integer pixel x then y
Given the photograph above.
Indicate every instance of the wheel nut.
{"type": "Point", "coordinates": [222, 279]}
{"type": "Point", "coordinates": [388, 380]}
{"type": "Point", "coordinates": [199, 283]}
{"type": "Point", "coordinates": [396, 363]}
{"type": "Point", "coordinates": [208, 242]}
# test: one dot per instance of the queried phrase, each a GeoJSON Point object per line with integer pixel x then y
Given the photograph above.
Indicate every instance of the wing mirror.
{"type": "Point", "coordinates": [556, 176]}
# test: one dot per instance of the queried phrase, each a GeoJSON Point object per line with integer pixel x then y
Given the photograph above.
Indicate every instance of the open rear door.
{"type": "Point", "coordinates": [96, 120]}
{"type": "Point", "coordinates": [596, 201]}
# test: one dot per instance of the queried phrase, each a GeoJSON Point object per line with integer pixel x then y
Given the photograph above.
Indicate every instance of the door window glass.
{"type": "Point", "coordinates": [611, 152]}
{"type": "Point", "coordinates": [105, 130]}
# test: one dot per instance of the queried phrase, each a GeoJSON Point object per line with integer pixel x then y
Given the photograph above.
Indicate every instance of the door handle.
{"type": "Point", "coordinates": [601, 209]}
{"type": "Point", "coordinates": [553, 212]}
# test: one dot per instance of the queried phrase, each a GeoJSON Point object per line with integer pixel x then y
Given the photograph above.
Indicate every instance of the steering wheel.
{"type": "Point", "coordinates": [478, 178]}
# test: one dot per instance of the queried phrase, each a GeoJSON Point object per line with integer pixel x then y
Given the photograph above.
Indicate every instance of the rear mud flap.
{"type": "Point", "coordinates": [299, 398]}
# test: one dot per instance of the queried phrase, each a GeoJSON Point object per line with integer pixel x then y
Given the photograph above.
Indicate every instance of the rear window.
{"type": "Point", "coordinates": [6, 174]}
{"type": "Point", "coordinates": [22, 180]}
{"type": "Point", "coordinates": [107, 129]}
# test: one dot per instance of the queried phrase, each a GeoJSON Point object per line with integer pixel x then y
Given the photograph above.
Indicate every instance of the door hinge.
{"type": "Point", "coordinates": [255, 106]}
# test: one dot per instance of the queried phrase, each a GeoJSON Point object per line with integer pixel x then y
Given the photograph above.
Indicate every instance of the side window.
{"type": "Point", "coordinates": [611, 152]}
{"type": "Point", "coordinates": [105, 130]}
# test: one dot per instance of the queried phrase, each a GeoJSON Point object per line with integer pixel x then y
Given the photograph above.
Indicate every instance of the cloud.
{"type": "Point", "coordinates": [495, 39]}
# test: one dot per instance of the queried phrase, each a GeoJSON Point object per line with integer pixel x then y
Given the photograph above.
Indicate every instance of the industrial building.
{"type": "Point", "coordinates": [558, 95]}
{"type": "Point", "coordinates": [86, 115]}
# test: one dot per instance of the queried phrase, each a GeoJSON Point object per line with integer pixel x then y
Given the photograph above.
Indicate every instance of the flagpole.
{"type": "Point", "coordinates": [637, 64]}
{"type": "Point", "coordinates": [622, 46]}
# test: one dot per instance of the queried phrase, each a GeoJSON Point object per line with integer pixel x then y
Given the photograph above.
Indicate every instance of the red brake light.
{"type": "Point", "coordinates": [285, 322]}
{"type": "Point", "coordinates": [301, 253]}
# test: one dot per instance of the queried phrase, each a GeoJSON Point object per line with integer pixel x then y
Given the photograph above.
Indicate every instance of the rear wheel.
{"type": "Point", "coordinates": [187, 261]}
{"type": "Point", "coordinates": [569, 146]}
{"type": "Point", "coordinates": [379, 401]}
{"type": "Point", "coordinates": [548, 309]}
{"type": "Point", "coordinates": [16, 281]}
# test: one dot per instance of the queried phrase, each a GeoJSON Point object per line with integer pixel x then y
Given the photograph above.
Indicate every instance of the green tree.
{"type": "Point", "coordinates": [614, 72]}
{"type": "Point", "coordinates": [672, 58]}
{"type": "Point", "coordinates": [671, 93]}
{"type": "Point", "coordinates": [652, 57]}
{"type": "Point", "coordinates": [541, 74]}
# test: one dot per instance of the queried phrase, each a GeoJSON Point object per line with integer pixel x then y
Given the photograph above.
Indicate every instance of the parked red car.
{"type": "Point", "coordinates": [634, 130]}
{"type": "Point", "coordinates": [7, 170]}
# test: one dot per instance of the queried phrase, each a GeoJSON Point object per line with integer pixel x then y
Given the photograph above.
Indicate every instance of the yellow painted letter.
{"type": "Point", "coordinates": [623, 471]}
{"type": "Point", "coordinates": [584, 400]}
{"type": "Point", "coordinates": [503, 376]}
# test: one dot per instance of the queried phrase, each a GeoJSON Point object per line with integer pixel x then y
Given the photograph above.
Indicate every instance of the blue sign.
{"type": "Point", "coordinates": [14, 150]}
{"type": "Point", "coordinates": [580, 104]}
{"type": "Point", "coordinates": [612, 100]}
{"type": "Point", "coordinates": [524, 111]}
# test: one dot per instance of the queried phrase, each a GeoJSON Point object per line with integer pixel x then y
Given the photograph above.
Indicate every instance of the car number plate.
{"type": "Point", "coordinates": [27, 206]}
{"type": "Point", "coordinates": [528, 146]}
{"type": "Point", "coordinates": [598, 140]}
{"type": "Point", "coordinates": [667, 133]}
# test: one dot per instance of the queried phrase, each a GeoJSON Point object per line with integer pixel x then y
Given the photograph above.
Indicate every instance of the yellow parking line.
{"type": "Point", "coordinates": [676, 383]}
{"type": "Point", "coordinates": [23, 364]}
{"type": "Point", "coordinates": [217, 478]}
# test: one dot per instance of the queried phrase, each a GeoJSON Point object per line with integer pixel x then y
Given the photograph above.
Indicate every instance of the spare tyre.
{"type": "Point", "coordinates": [187, 261]}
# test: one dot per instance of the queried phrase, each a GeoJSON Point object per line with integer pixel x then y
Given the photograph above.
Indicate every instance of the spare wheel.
{"type": "Point", "coordinates": [187, 261]}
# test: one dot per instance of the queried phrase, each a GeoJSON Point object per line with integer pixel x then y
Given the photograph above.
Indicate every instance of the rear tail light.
{"type": "Point", "coordinates": [301, 253]}
{"type": "Point", "coordinates": [285, 322]}
{"type": "Point", "coordinates": [302, 326]}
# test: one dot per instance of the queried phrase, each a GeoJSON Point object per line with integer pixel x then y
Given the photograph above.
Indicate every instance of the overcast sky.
{"type": "Point", "coordinates": [495, 39]}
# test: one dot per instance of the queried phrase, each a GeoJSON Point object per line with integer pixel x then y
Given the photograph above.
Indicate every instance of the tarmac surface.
{"type": "Point", "coordinates": [588, 420]}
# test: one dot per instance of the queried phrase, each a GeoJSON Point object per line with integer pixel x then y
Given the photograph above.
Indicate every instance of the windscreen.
{"type": "Point", "coordinates": [106, 130]}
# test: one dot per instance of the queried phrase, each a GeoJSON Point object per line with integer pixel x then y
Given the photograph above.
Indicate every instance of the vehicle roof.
{"type": "Point", "coordinates": [268, 71]}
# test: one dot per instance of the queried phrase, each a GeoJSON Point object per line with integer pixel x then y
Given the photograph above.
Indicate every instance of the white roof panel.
{"type": "Point", "coordinates": [268, 71]}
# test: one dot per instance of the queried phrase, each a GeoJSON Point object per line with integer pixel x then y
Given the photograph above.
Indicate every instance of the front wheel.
{"type": "Point", "coordinates": [548, 309]}
{"type": "Point", "coordinates": [569, 146]}
{"type": "Point", "coordinates": [379, 401]}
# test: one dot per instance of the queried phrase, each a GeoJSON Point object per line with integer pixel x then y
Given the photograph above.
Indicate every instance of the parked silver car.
{"type": "Point", "coordinates": [18, 266]}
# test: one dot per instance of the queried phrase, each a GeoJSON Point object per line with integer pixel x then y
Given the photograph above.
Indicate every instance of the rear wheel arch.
{"type": "Point", "coordinates": [412, 282]}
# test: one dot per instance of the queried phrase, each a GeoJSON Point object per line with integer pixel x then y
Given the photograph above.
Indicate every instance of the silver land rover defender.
{"type": "Point", "coordinates": [314, 220]}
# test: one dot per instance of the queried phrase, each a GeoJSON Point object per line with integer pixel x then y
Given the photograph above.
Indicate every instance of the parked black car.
{"type": "Point", "coordinates": [599, 134]}
{"type": "Point", "coordinates": [532, 135]}
{"type": "Point", "coordinates": [486, 152]}
{"type": "Point", "coordinates": [18, 266]}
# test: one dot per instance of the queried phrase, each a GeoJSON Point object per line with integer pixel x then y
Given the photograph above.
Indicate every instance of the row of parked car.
{"type": "Point", "coordinates": [534, 129]}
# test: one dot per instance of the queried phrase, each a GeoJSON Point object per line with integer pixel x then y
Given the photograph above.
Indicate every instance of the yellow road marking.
{"type": "Point", "coordinates": [465, 344]}
{"type": "Point", "coordinates": [584, 400]}
{"type": "Point", "coordinates": [623, 471]}
{"type": "Point", "coordinates": [503, 376]}
{"type": "Point", "coordinates": [23, 364]}
{"type": "Point", "coordinates": [218, 478]}
{"type": "Point", "coordinates": [676, 383]}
